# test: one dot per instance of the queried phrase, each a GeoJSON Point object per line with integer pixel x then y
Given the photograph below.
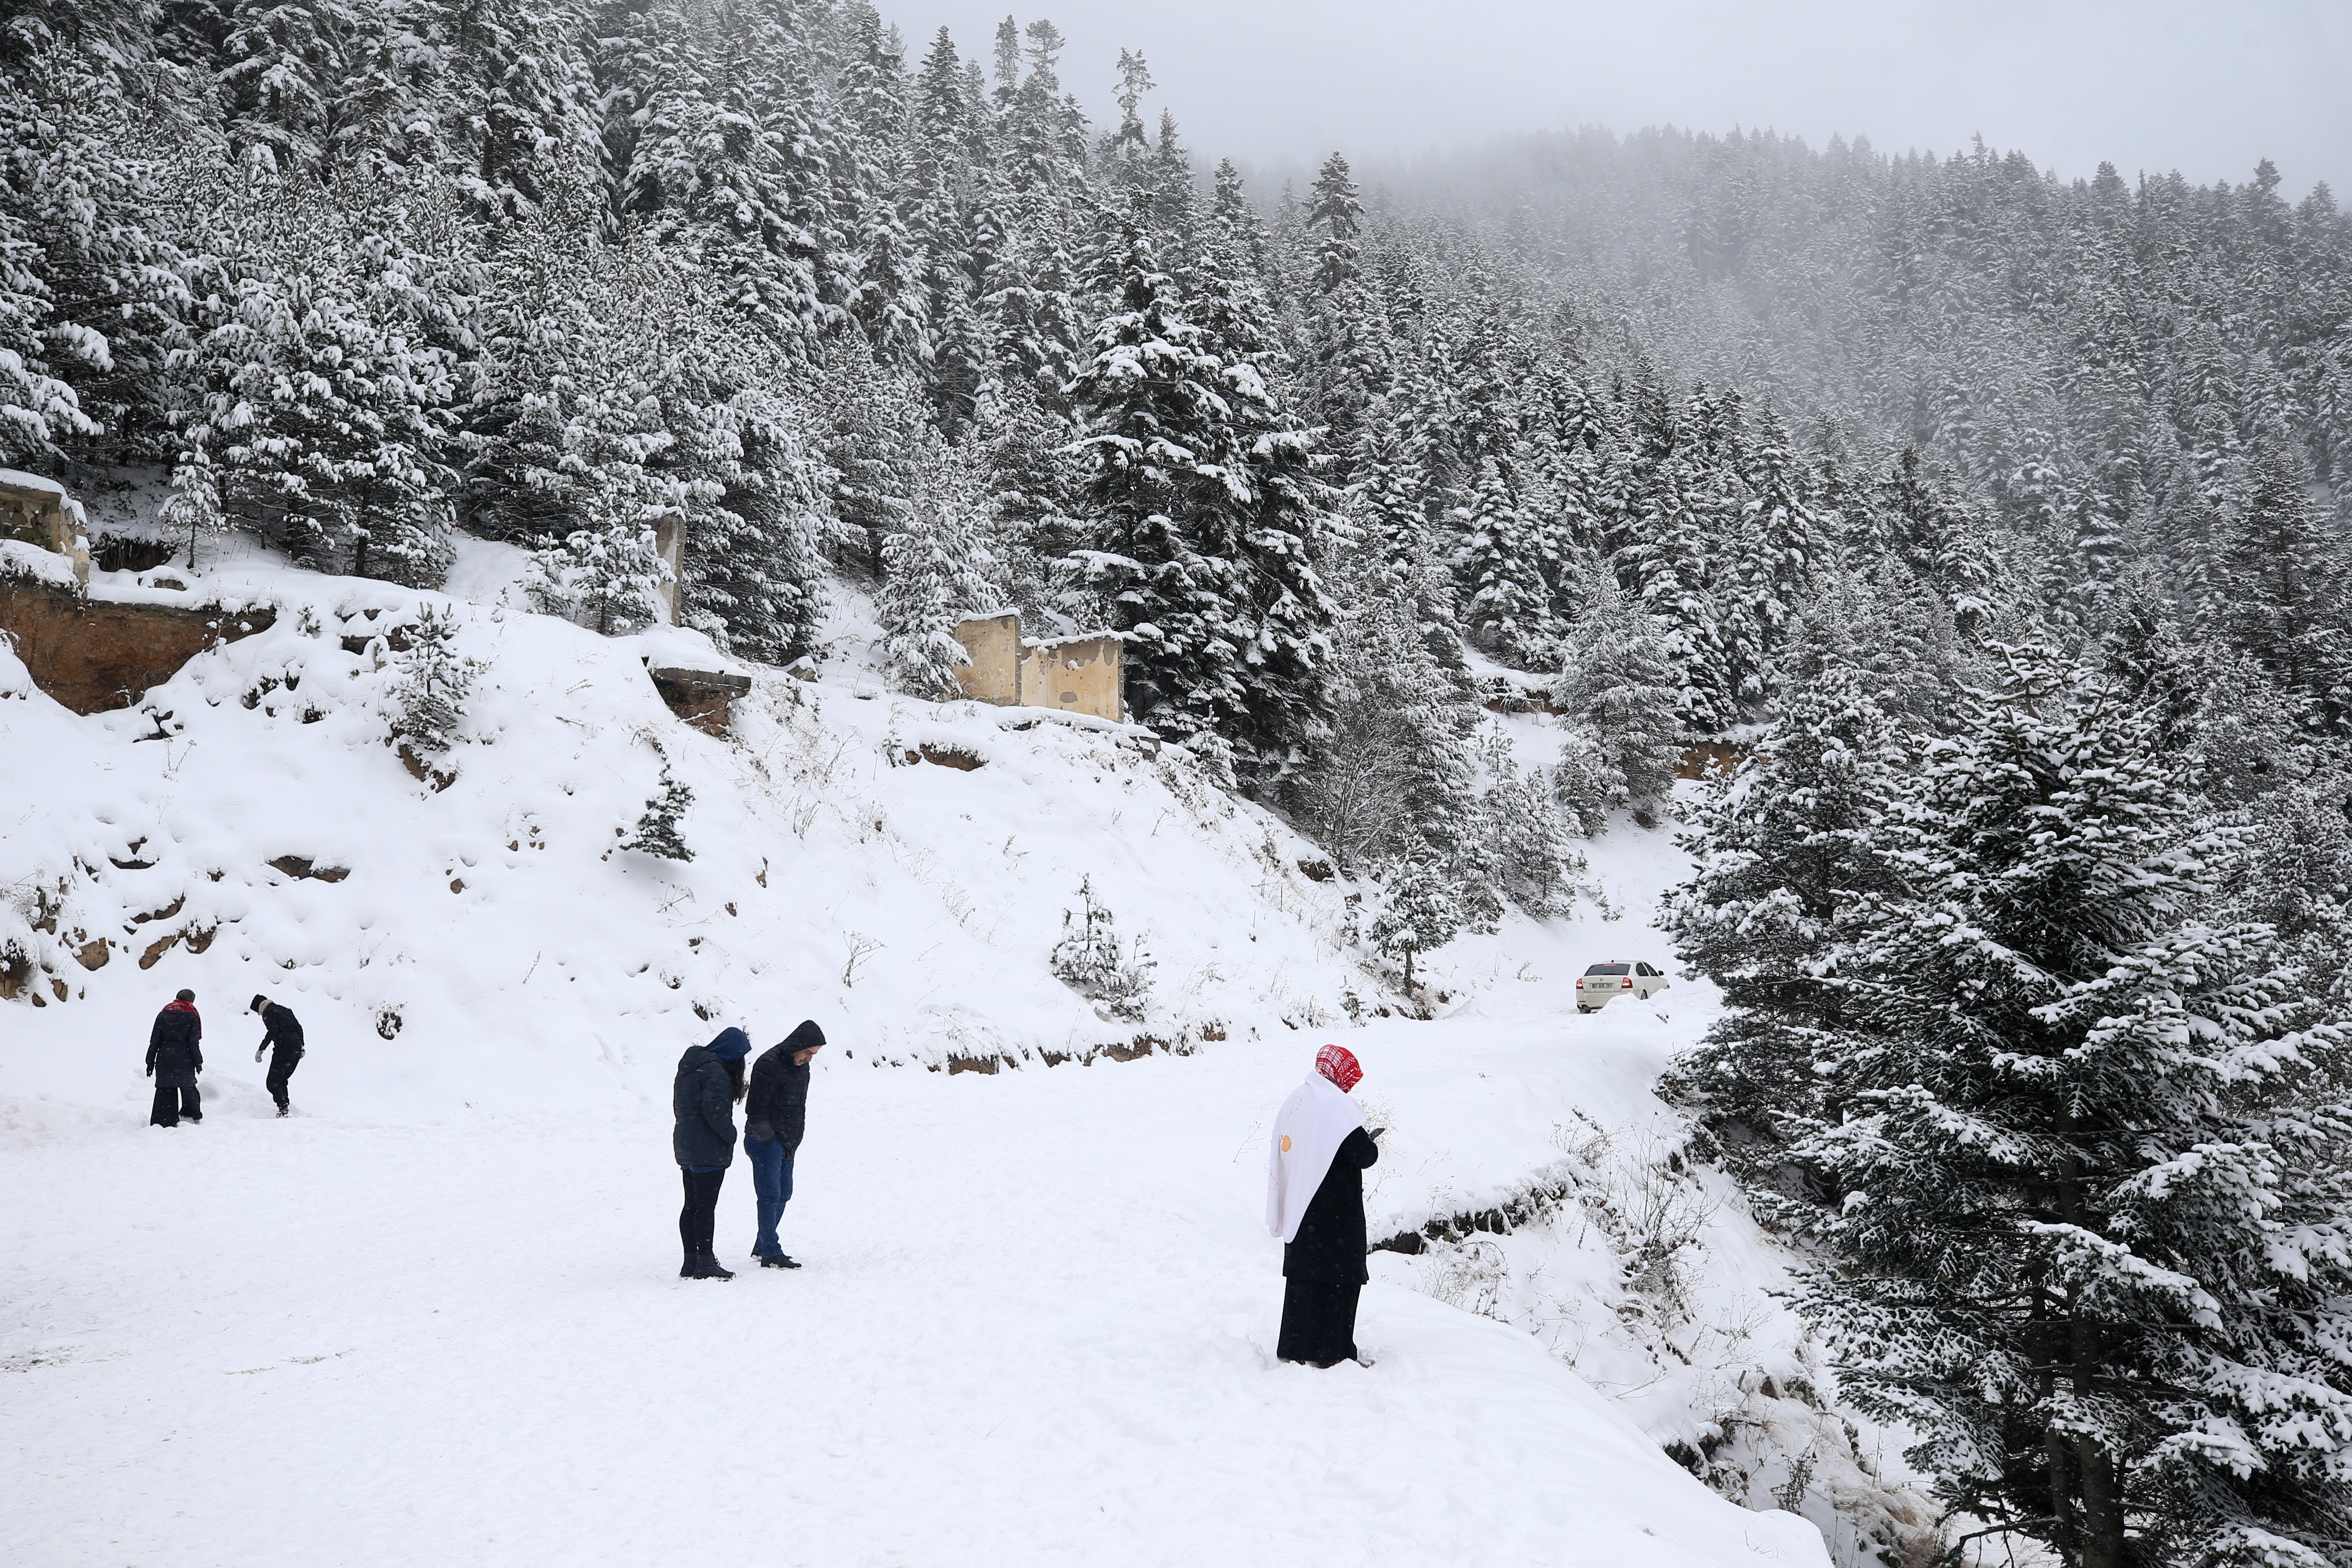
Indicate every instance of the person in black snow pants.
{"type": "Point", "coordinates": [774, 1116]}
{"type": "Point", "coordinates": [282, 1029]}
{"type": "Point", "coordinates": [702, 1101]}
{"type": "Point", "coordinates": [1315, 1202]}
{"type": "Point", "coordinates": [174, 1056]}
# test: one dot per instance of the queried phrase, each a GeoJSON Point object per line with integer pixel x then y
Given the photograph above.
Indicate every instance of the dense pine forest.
{"type": "Point", "coordinates": [1993, 522]}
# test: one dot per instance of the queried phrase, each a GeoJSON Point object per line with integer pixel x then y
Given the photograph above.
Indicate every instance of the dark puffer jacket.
{"type": "Point", "coordinates": [173, 1054]}
{"type": "Point", "coordinates": [777, 1107]}
{"type": "Point", "coordinates": [281, 1028]}
{"type": "Point", "coordinates": [702, 1101]}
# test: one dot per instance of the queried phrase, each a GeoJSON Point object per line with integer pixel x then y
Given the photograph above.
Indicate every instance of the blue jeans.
{"type": "Point", "coordinates": [771, 1181]}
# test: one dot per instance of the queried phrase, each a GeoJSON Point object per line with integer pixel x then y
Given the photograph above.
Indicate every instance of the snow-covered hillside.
{"type": "Point", "coordinates": [434, 1317]}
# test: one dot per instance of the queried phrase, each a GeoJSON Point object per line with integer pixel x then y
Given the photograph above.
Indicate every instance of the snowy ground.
{"type": "Point", "coordinates": [434, 1317]}
{"type": "Point", "coordinates": [1035, 1326]}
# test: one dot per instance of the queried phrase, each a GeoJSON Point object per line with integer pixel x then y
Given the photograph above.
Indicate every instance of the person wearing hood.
{"type": "Point", "coordinates": [702, 1104]}
{"type": "Point", "coordinates": [1314, 1203]}
{"type": "Point", "coordinates": [773, 1119]}
{"type": "Point", "coordinates": [176, 1055]}
{"type": "Point", "coordinates": [281, 1036]}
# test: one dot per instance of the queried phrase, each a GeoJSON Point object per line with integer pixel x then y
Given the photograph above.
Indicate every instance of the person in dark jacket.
{"type": "Point", "coordinates": [1320, 1146]}
{"type": "Point", "coordinates": [281, 1029]}
{"type": "Point", "coordinates": [773, 1119]}
{"type": "Point", "coordinates": [702, 1101]}
{"type": "Point", "coordinates": [174, 1056]}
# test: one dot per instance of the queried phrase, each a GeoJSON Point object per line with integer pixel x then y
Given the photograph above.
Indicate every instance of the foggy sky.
{"type": "Point", "coordinates": [2208, 88]}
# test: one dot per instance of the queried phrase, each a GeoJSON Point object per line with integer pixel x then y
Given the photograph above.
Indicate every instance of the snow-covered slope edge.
{"type": "Point", "coordinates": [1039, 1301]}
{"type": "Point", "coordinates": [915, 904]}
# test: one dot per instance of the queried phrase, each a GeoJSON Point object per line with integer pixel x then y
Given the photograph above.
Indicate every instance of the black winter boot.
{"type": "Point", "coordinates": [707, 1267]}
{"type": "Point", "coordinates": [777, 1260]}
{"type": "Point", "coordinates": [691, 1266]}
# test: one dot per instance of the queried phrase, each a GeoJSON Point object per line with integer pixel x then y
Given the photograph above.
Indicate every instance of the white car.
{"type": "Point", "coordinates": [1604, 983]}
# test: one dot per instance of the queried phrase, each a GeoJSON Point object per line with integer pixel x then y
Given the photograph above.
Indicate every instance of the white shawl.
{"type": "Point", "coordinates": [1308, 1130]}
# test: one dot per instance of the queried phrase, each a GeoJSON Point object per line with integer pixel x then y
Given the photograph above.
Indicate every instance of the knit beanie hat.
{"type": "Point", "coordinates": [732, 1045]}
{"type": "Point", "coordinates": [259, 1002]}
{"type": "Point", "coordinates": [187, 996]}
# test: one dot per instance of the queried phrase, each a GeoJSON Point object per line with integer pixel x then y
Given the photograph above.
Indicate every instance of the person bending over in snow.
{"type": "Point", "coordinates": [1315, 1202]}
{"type": "Point", "coordinates": [702, 1099]}
{"type": "Point", "coordinates": [282, 1029]}
{"type": "Point", "coordinates": [773, 1119]}
{"type": "Point", "coordinates": [175, 1058]}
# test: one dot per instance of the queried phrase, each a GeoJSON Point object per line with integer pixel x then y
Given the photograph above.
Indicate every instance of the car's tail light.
{"type": "Point", "coordinates": [1629, 983]}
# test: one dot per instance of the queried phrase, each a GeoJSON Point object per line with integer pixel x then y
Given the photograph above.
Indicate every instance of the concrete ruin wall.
{"type": "Point", "coordinates": [38, 511]}
{"type": "Point", "coordinates": [1076, 675]}
{"type": "Point", "coordinates": [92, 656]}
{"type": "Point", "coordinates": [669, 543]}
{"type": "Point", "coordinates": [994, 673]}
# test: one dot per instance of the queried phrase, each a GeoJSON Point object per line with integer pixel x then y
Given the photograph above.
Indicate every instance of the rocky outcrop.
{"type": "Point", "coordinates": [94, 655]}
{"type": "Point", "coordinates": [700, 697]}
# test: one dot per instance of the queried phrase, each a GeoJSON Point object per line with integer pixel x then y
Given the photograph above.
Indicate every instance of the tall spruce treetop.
{"type": "Point", "coordinates": [1168, 486]}
{"type": "Point", "coordinates": [1336, 216]}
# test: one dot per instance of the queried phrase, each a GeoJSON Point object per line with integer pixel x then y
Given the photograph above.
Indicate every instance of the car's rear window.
{"type": "Point", "coordinates": [1610, 969]}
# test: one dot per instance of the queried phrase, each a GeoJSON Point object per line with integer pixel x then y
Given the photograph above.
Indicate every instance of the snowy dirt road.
{"type": "Point", "coordinates": [1035, 1326]}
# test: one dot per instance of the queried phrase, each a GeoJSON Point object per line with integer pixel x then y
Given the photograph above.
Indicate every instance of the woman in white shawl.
{"type": "Point", "coordinates": [1315, 1202]}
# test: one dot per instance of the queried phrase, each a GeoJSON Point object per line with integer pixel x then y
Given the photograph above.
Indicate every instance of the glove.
{"type": "Point", "coordinates": [259, 1048]}
{"type": "Point", "coordinates": [151, 1072]}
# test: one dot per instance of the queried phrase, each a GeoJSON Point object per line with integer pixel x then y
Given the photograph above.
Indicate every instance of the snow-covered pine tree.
{"type": "Point", "coordinates": [1618, 685]}
{"type": "Point", "coordinates": [1089, 960]}
{"type": "Point", "coordinates": [281, 62]}
{"type": "Point", "coordinates": [1279, 556]}
{"type": "Point", "coordinates": [1880, 621]}
{"type": "Point", "coordinates": [1781, 544]}
{"type": "Point", "coordinates": [609, 573]}
{"type": "Point", "coordinates": [1670, 569]}
{"type": "Point", "coordinates": [1525, 847]}
{"type": "Point", "coordinates": [1421, 911]}
{"type": "Point", "coordinates": [875, 435]}
{"type": "Point", "coordinates": [314, 375]}
{"type": "Point", "coordinates": [1396, 772]}
{"type": "Point", "coordinates": [433, 682]}
{"type": "Point", "coordinates": [41, 355]}
{"type": "Point", "coordinates": [889, 299]}
{"type": "Point", "coordinates": [1348, 349]}
{"type": "Point", "coordinates": [1508, 603]}
{"type": "Point", "coordinates": [518, 125]}
{"type": "Point", "coordinates": [192, 511]}
{"type": "Point", "coordinates": [1031, 480]}
{"type": "Point", "coordinates": [755, 568]}
{"type": "Point", "coordinates": [1283, 545]}
{"type": "Point", "coordinates": [1784, 850]}
{"type": "Point", "coordinates": [2087, 1195]}
{"type": "Point", "coordinates": [2290, 592]}
{"type": "Point", "coordinates": [1167, 489]}
{"type": "Point", "coordinates": [660, 827]}
{"type": "Point", "coordinates": [932, 578]}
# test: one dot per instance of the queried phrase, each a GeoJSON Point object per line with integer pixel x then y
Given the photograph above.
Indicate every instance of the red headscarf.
{"type": "Point", "coordinates": [1338, 1063]}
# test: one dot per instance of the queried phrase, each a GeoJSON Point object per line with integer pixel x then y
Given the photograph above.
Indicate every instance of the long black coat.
{"type": "Point", "coordinates": [703, 1102]}
{"type": "Point", "coordinates": [777, 1106]}
{"type": "Point", "coordinates": [173, 1053]}
{"type": "Point", "coordinates": [1329, 1246]}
